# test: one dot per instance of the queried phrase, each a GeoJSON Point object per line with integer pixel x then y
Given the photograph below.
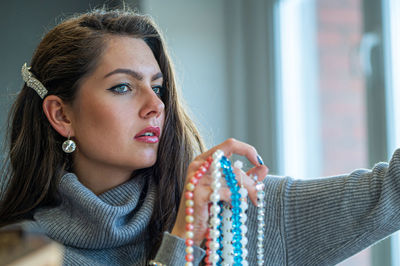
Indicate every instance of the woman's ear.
{"type": "Point", "coordinates": [57, 113]}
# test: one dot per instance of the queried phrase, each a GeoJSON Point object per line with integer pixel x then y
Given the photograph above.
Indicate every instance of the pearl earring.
{"type": "Point", "coordinates": [69, 145]}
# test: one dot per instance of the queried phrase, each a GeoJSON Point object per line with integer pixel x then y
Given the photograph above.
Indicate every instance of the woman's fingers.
{"type": "Point", "coordinates": [231, 146]}
{"type": "Point", "coordinates": [247, 181]}
{"type": "Point", "coordinates": [199, 185]}
{"type": "Point", "coordinates": [204, 194]}
{"type": "Point", "coordinates": [259, 171]}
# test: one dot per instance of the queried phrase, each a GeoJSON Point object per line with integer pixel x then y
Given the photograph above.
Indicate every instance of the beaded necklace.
{"type": "Point", "coordinates": [260, 222]}
{"type": "Point", "coordinates": [213, 234]}
{"type": "Point", "coordinates": [236, 210]}
{"type": "Point", "coordinates": [189, 203]}
{"type": "Point", "coordinates": [226, 235]}
{"type": "Point", "coordinates": [243, 216]}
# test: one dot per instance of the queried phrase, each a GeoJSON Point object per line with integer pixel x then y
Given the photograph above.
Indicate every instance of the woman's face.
{"type": "Point", "coordinates": [118, 114]}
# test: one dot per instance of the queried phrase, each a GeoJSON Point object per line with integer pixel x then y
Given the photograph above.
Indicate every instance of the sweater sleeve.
{"type": "Point", "coordinates": [172, 251]}
{"type": "Point", "coordinates": [329, 219]}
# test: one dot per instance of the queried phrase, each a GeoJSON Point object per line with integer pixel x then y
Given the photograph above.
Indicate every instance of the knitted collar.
{"type": "Point", "coordinates": [112, 219]}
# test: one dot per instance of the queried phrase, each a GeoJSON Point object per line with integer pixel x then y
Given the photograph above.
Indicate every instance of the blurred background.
{"type": "Point", "coordinates": [310, 83]}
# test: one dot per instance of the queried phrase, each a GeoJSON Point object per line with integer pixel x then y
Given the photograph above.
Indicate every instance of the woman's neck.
{"type": "Point", "coordinates": [99, 178]}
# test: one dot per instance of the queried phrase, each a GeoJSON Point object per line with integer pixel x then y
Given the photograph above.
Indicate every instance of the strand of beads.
{"type": "Point", "coordinates": [236, 210]}
{"type": "Point", "coordinates": [213, 243]}
{"type": "Point", "coordinates": [227, 236]}
{"type": "Point", "coordinates": [189, 203]}
{"type": "Point", "coordinates": [261, 222]}
{"type": "Point", "coordinates": [243, 216]}
{"type": "Point", "coordinates": [220, 234]}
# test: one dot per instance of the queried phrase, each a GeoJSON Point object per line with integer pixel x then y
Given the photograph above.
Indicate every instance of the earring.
{"type": "Point", "coordinates": [69, 145]}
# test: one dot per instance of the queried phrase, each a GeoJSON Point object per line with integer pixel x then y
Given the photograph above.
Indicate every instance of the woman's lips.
{"type": "Point", "coordinates": [149, 135]}
{"type": "Point", "coordinates": [147, 139]}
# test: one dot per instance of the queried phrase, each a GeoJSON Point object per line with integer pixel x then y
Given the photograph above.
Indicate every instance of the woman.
{"type": "Point", "coordinates": [104, 80]}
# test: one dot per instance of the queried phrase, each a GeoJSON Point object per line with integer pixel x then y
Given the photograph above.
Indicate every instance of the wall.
{"type": "Point", "coordinates": [195, 34]}
{"type": "Point", "coordinates": [23, 23]}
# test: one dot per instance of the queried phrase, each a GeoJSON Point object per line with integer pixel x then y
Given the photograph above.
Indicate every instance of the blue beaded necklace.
{"type": "Point", "coordinates": [236, 210]}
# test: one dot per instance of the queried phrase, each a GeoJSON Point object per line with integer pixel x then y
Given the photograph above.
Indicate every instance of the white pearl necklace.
{"type": "Point", "coordinates": [260, 222]}
{"type": "Point", "coordinates": [227, 236]}
{"type": "Point", "coordinates": [214, 223]}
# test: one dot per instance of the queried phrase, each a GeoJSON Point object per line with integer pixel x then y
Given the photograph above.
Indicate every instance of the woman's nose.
{"type": "Point", "coordinates": [152, 106]}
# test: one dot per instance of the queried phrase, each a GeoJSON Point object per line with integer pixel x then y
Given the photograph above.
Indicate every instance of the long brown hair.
{"type": "Point", "coordinates": [67, 54]}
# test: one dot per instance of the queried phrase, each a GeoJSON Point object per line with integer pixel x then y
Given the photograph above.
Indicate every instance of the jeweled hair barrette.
{"type": "Point", "coordinates": [32, 82]}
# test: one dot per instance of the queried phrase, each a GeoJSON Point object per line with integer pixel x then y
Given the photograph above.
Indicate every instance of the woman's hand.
{"type": "Point", "coordinates": [203, 188]}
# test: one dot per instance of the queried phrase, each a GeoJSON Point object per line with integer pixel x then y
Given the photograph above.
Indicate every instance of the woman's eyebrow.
{"type": "Point", "coordinates": [133, 73]}
{"type": "Point", "coordinates": [157, 76]}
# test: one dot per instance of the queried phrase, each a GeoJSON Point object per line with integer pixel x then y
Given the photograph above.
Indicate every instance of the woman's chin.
{"type": "Point", "coordinates": [148, 162]}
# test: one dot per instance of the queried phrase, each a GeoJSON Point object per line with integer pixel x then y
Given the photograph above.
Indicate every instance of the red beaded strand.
{"type": "Point", "coordinates": [189, 203]}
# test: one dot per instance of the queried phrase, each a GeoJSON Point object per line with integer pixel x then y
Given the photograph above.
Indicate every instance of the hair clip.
{"type": "Point", "coordinates": [33, 82]}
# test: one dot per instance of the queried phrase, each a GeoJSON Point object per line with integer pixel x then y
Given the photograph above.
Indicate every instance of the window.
{"type": "Point", "coordinates": [322, 90]}
{"type": "Point", "coordinates": [391, 27]}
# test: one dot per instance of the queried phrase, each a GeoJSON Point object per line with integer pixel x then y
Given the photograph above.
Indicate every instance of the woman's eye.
{"type": "Point", "coordinates": [159, 90]}
{"type": "Point", "coordinates": [120, 88]}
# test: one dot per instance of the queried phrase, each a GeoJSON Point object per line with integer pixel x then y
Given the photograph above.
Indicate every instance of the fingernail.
{"type": "Point", "coordinates": [260, 160]}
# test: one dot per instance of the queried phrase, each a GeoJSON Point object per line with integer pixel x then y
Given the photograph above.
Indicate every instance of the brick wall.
{"type": "Point", "coordinates": [342, 92]}
{"type": "Point", "coordinates": [342, 88]}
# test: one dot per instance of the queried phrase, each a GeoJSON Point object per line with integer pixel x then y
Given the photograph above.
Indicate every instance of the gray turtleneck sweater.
{"type": "Point", "coordinates": [309, 222]}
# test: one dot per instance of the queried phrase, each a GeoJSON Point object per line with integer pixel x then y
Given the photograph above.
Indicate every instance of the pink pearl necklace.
{"type": "Point", "coordinates": [189, 203]}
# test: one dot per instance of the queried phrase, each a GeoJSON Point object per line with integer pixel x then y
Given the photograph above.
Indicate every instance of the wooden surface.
{"type": "Point", "coordinates": [19, 249]}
